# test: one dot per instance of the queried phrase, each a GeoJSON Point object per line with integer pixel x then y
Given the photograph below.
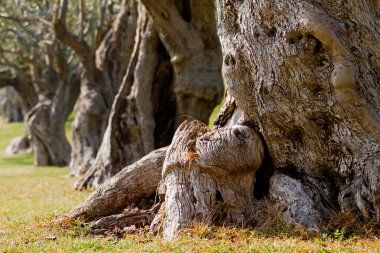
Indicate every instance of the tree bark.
{"type": "Point", "coordinates": [134, 183]}
{"type": "Point", "coordinates": [46, 122]}
{"type": "Point", "coordinates": [11, 105]}
{"type": "Point", "coordinates": [58, 90]}
{"type": "Point", "coordinates": [23, 85]}
{"type": "Point", "coordinates": [306, 74]}
{"type": "Point", "coordinates": [130, 131]}
{"type": "Point", "coordinates": [201, 169]}
{"type": "Point", "coordinates": [103, 67]}
{"type": "Point", "coordinates": [196, 82]}
{"type": "Point", "coordinates": [189, 35]}
{"type": "Point", "coordinates": [300, 124]}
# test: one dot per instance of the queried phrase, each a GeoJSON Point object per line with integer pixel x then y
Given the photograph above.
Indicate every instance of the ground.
{"type": "Point", "coordinates": [31, 198]}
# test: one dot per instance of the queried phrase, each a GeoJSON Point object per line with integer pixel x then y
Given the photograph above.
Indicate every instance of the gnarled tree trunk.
{"type": "Point", "coordinates": [58, 91]}
{"type": "Point", "coordinates": [306, 74]}
{"type": "Point", "coordinates": [23, 85]}
{"type": "Point", "coordinates": [196, 85]}
{"type": "Point", "coordinates": [146, 82]}
{"type": "Point", "coordinates": [11, 105]}
{"type": "Point", "coordinates": [103, 67]}
{"type": "Point", "coordinates": [300, 123]}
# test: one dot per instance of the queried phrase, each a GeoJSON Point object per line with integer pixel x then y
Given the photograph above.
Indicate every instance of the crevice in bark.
{"type": "Point", "coordinates": [263, 173]}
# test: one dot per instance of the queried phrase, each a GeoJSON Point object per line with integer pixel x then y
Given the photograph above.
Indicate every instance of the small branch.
{"type": "Point", "coordinates": [81, 19]}
{"type": "Point", "coordinates": [29, 20]}
{"type": "Point", "coordinates": [59, 23]}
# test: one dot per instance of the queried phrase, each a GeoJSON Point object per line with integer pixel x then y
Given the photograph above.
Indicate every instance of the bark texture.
{"type": "Point", "coordinates": [57, 90]}
{"type": "Point", "coordinates": [103, 64]}
{"type": "Point", "coordinates": [201, 169]}
{"type": "Point", "coordinates": [300, 123]}
{"type": "Point", "coordinates": [22, 83]}
{"type": "Point", "coordinates": [307, 75]}
{"type": "Point", "coordinates": [123, 141]}
{"type": "Point", "coordinates": [188, 31]}
{"type": "Point", "coordinates": [134, 183]}
{"type": "Point", "coordinates": [144, 114]}
{"type": "Point", "coordinates": [11, 107]}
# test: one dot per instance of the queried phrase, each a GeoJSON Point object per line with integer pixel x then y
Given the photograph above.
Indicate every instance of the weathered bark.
{"type": "Point", "coordinates": [46, 122]}
{"type": "Point", "coordinates": [196, 83]}
{"type": "Point", "coordinates": [10, 105]}
{"type": "Point", "coordinates": [189, 35]}
{"type": "Point", "coordinates": [303, 82]}
{"type": "Point", "coordinates": [130, 131]}
{"type": "Point", "coordinates": [134, 183]}
{"type": "Point", "coordinates": [23, 85]}
{"type": "Point", "coordinates": [103, 67]}
{"type": "Point", "coordinates": [306, 73]}
{"type": "Point", "coordinates": [58, 90]}
{"type": "Point", "coordinates": [202, 168]}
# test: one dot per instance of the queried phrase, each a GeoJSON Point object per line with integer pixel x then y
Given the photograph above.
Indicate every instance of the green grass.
{"type": "Point", "coordinates": [32, 197]}
{"type": "Point", "coordinates": [215, 112]}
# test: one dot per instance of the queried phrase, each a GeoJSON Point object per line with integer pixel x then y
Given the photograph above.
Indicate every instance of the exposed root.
{"type": "Point", "coordinates": [131, 185]}
{"type": "Point", "coordinates": [129, 217]}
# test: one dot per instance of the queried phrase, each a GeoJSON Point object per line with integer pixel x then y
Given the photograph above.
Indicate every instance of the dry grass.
{"type": "Point", "coordinates": [33, 197]}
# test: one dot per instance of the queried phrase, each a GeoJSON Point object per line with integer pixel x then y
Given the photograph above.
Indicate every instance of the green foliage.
{"type": "Point", "coordinates": [340, 234]}
{"type": "Point", "coordinates": [22, 32]}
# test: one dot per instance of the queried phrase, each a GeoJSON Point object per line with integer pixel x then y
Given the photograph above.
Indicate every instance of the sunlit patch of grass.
{"type": "Point", "coordinates": [215, 112]}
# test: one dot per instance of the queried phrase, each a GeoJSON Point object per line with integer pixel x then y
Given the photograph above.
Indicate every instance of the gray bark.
{"type": "Point", "coordinates": [103, 66]}
{"type": "Point", "coordinates": [11, 107]}
{"type": "Point", "coordinates": [306, 74]}
{"type": "Point", "coordinates": [202, 163]}
{"type": "Point", "coordinates": [58, 91]}
{"type": "Point", "coordinates": [123, 141]}
{"type": "Point", "coordinates": [196, 82]}
{"type": "Point", "coordinates": [300, 123]}
{"type": "Point", "coordinates": [23, 85]}
{"type": "Point", "coordinates": [189, 35]}
{"type": "Point", "coordinates": [46, 123]}
{"type": "Point", "coordinates": [134, 183]}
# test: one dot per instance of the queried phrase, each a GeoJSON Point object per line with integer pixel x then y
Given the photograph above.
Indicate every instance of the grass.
{"type": "Point", "coordinates": [215, 112]}
{"type": "Point", "coordinates": [32, 197]}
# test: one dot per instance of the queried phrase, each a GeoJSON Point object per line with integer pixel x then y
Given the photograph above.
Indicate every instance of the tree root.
{"type": "Point", "coordinates": [134, 183]}
{"type": "Point", "coordinates": [129, 217]}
